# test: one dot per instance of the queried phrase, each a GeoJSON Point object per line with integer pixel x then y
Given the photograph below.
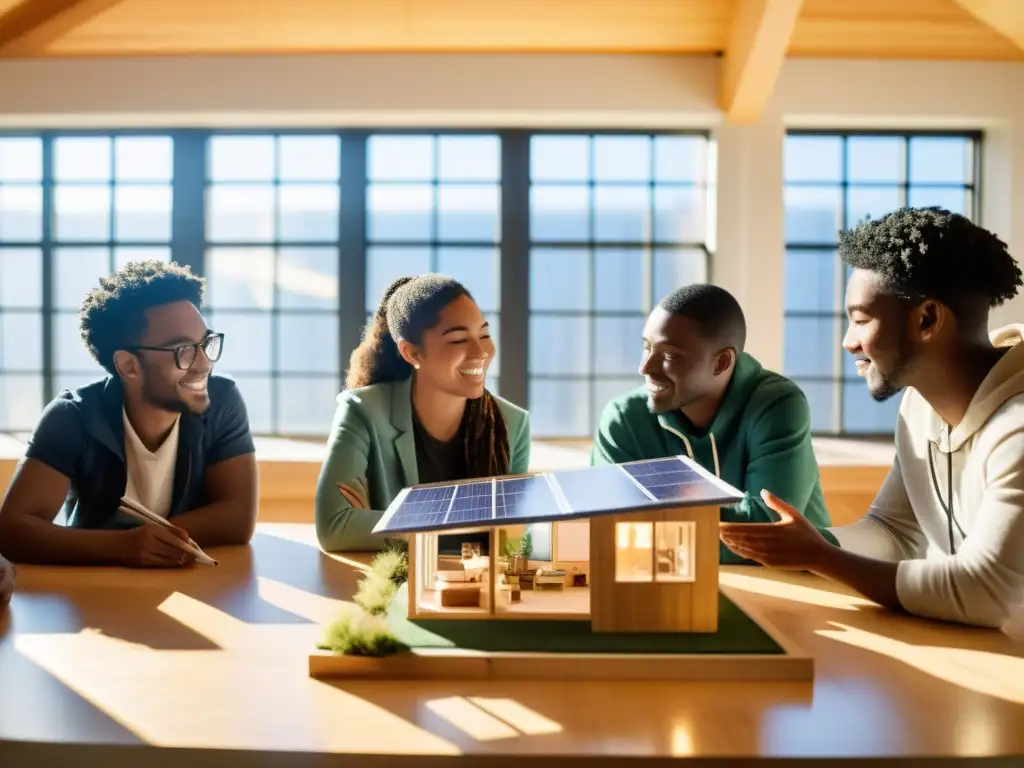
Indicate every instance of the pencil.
{"type": "Point", "coordinates": [139, 512]}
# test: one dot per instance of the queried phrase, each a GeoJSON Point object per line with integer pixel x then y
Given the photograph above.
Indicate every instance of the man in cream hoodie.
{"type": "Point", "coordinates": [944, 538]}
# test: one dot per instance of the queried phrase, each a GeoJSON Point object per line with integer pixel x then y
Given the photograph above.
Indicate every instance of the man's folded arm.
{"type": "Point", "coordinates": [38, 491]}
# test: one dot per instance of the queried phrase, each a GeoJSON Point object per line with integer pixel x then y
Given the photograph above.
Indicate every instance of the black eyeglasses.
{"type": "Point", "coordinates": [185, 354]}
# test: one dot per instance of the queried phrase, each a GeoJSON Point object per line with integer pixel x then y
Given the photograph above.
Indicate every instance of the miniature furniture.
{"type": "Point", "coordinates": [553, 579]}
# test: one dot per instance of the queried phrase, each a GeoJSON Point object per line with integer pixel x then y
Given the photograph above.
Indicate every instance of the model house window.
{"type": "Point", "coordinates": [674, 550]}
{"type": "Point", "coordinates": [834, 181]}
{"type": "Point", "coordinates": [661, 551]}
{"type": "Point", "coordinates": [633, 552]}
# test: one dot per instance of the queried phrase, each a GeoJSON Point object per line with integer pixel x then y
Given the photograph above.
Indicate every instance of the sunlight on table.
{"type": "Point", "coordinates": [992, 674]}
{"type": "Point", "coordinates": [770, 587]}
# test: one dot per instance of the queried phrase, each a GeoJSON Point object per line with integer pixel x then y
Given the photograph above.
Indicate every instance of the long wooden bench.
{"type": "Point", "coordinates": [851, 472]}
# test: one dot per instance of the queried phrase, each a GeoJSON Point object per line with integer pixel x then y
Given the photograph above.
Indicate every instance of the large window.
{"type": "Point", "coordinates": [834, 181]}
{"type": "Point", "coordinates": [565, 240]}
{"type": "Point", "coordinates": [72, 209]}
{"type": "Point", "coordinates": [433, 204]}
{"type": "Point", "coordinates": [21, 282]}
{"type": "Point", "coordinates": [616, 222]}
{"type": "Point", "coordinates": [272, 228]}
{"type": "Point", "coordinates": [111, 205]}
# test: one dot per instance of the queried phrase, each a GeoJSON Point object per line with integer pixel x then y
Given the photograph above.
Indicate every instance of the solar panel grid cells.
{"type": "Point", "coordinates": [671, 480]}
{"type": "Point", "coordinates": [473, 503]}
{"type": "Point", "coordinates": [422, 507]}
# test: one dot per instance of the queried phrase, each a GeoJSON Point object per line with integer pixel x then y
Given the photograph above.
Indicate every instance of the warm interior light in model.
{"type": "Point", "coordinates": [674, 554]}
{"type": "Point", "coordinates": [633, 544]}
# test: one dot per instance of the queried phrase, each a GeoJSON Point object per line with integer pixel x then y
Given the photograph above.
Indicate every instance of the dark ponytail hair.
{"type": "Point", "coordinates": [377, 358]}
{"type": "Point", "coordinates": [410, 306]}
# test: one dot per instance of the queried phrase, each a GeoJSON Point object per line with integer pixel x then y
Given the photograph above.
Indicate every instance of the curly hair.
{"type": "Point", "coordinates": [113, 315]}
{"type": "Point", "coordinates": [410, 306]}
{"type": "Point", "coordinates": [932, 252]}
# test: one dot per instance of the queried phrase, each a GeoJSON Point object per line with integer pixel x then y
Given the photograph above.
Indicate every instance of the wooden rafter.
{"type": "Point", "coordinates": [30, 27]}
{"type": "Point", "coordinates": [1003, 16]}
{"type": "Point", "coordinates": [757, 47]}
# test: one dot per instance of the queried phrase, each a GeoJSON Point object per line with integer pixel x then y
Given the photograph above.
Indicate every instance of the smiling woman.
{"type": "Point", "coordinates": [415, 410]}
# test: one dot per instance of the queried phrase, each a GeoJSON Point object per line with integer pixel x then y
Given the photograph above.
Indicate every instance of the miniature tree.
{"type": "Point", "coordinates": [362, 629]}
{"type": "Point", "coordinates": [526, 545]}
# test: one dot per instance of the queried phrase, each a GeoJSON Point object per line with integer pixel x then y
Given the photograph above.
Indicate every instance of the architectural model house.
{"type": "Point", "coordinates": [633, 546]}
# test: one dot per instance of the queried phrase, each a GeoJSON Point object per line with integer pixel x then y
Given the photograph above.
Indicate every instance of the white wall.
{"type": "Point", "coordinates": [568, 91]}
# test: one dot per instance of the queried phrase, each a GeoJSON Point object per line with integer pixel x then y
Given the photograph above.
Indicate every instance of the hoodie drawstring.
{"type": "Point", "coordinates": [946, 507]}
{"type": "Point", "coordinates": [689, 448]}
{"type": "Point", "coordinates": [949, 486]}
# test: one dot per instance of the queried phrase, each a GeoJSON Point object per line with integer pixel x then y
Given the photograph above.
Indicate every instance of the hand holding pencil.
{"type": "Point", "coordinates": [158, 542]}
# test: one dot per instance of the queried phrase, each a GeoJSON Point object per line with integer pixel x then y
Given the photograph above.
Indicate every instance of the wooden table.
{"type": "Point", "coordinates": [108, 667]}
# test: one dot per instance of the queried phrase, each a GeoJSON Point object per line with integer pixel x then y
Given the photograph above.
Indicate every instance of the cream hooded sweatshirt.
{"type": "Point", "coordinates": [979, 578]}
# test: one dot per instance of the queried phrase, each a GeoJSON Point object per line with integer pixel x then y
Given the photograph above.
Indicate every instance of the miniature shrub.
{"type": "Point", "coordinates": [362, 630]}
{"type": "Point", "coordinates": [392, 564]}
{"type": "Point", "coordinates": [388, 571]}
{"type": "Point", "coordinates": [374, 593]}
{"type": "Point", "coordinates": [358, 633]}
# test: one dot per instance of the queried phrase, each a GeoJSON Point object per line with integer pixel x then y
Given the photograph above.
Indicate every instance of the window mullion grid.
{"type": "Point", "coordinates": [839, 284]}
{"type": "Point", "coordinates": [275, 315]}
{"type": "Point", "coordinates": [435, 202]}
{"type": "Point", "coordinates": [591, 275]}
{"type": "Point", "coordinates": [48, 269]}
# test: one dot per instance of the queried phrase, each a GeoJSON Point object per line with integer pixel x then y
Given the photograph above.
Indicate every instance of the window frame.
{"type": "Point", "coordinates": [655, 527]}
{"type": "Point", "coordinates": [188, 241]}
{"type": "Point", "coordinates": [838, 380]}
{"type": "Point", "coordinates": [48, 242]}
{"type": "Point", "coordinates": [593, 246]}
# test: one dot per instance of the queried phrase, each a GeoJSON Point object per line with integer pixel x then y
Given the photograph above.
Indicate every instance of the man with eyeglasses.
{"type": "Point", "coordinates": [160, 430]}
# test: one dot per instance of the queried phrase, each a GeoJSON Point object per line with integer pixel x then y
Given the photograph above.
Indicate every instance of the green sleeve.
{"type": "Point", "coordinates": [782, 460]}
{"type": "Point", "coordinates": [615, 442]}
{"type": "Point", "coordinates": [519, 461]}
{"type": "Point", "coordinates": [340, 527]}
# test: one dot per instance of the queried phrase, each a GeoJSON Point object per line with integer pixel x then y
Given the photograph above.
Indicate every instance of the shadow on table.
{"type": "Point", "coordinates": [34, 703]}
{"type": "Point", "coordinates": [133, 608]}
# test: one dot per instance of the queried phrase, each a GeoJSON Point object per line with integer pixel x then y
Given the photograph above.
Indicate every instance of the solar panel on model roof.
{"type": "Point", "coordinates": [659, 483]}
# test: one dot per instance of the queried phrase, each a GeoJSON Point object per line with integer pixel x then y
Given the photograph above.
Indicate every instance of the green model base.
{"type": "Point", "coordinates": [737, 634]}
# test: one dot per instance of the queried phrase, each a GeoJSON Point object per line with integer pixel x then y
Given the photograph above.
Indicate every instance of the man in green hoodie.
{"type": "Point", "coordinates": [704, 397]}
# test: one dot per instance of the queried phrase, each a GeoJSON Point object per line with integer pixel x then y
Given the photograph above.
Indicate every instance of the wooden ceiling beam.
{"type": "Point", "coordinates": [29, 28]}
{"type": "Point", "coordinates": [758, 40]}
{"type": "Point", "coordinates": [1003, 16]}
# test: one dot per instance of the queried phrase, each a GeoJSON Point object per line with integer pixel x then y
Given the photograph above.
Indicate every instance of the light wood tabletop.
{"type": "Point", "coordinates": [110, 666]}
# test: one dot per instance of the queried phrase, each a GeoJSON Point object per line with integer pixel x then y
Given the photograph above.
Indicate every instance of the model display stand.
{"type": "Point", "coordinates": [645, 603]}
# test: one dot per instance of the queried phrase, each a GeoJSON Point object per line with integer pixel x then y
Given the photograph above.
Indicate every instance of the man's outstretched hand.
{"type": "Point", "coordinates": [791, 543]}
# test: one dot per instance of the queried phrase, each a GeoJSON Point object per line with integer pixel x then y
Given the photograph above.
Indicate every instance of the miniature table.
{"type": "Point", "coordinates": [104, 666]}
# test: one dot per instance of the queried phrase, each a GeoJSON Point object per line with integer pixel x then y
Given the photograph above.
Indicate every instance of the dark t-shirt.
{"type": "Point", "coordinates": [437, 461]}
{"type": "Point", "coordinates": [81, 435]}
{"type": "Point", "coordinates": [445, 462]}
